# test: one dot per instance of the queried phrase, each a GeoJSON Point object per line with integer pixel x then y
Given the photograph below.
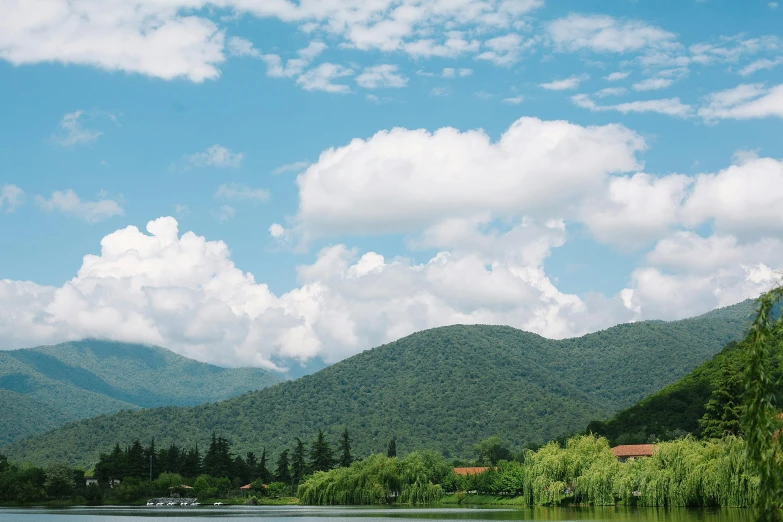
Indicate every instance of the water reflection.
{"type": "Point", "coordinates": [358, 514]}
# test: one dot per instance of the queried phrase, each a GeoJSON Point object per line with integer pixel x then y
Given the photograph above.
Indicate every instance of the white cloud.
{"type": "Point", "coordinates": [667, 106]}
{"type": "Point", "coordinates": [504, 50]}
{"type": "Point", "coordinates": [293, 66]}
{"type": "Point", "coordinates": [68, 202]}
{"type": "Point", "coordinates": [464, 71]}
{"type": "Point", "coordinates": [238, 46]}
{"type": "Point", "coordinates": [403, 180]}
{"type": "Point", "coordinates": [277, 231]}
{"type": "Point", "coordinates": [611, 91]}
{"type": "Point", "coordinates": [602, 33]}
{"type": "Point", "coordinates": [378, 76]}
{"type": "Point", "coordinates": [296, 166]}
{"type": "Point", "coordinates": [440, 91]}
{"type": "Point", "coordinates": [320, 78]}
{"type": "Point", "coordinates": [773, 5]}
{"type": "Point", "coordinates": [11, 197]}
{"type": "Point", "coordinates": [181, 210]}
{"type": "Point", "coordinates": [224, 213]}
{"type": "Point", "coordinates": [516, 100]}
{"type": "Point", "coordinates": [564, 84]}
{"type": "Point", "coordinates": [238, 191]}
{"type": "Point", "coordinates": [616, 76]}
{"type": "Point", "coordinates": [449, 72]}
{"type": "Point", "coordinates": [214, 156]}
{"type": "Point", "coordinates": [653, 84]}
{"type": "Point", "coordinates": [71, 131]}
{"type": "Point", "coordinates": [760, 65]}
{"type": "Point", "coordinates": [454, 45]}
{"type": "Point", "coordinates": [745, 101]}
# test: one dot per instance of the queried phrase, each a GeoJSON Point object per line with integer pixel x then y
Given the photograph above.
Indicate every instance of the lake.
{"type": "Point", "coordinates": [367, 514]}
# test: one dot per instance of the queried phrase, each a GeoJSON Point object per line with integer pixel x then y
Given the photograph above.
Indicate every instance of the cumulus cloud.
{"type": "Point", "coordinates": [292, 67]}
{"type": "Point", "coordinates": [616, 76]}
{"type": "Point", "coordinates": [653, 84]}
{"type": "Point", "coordinates": [504, 50]}
{"type": "Point", "coordinates": [67, 202]}
{"type": "Point", "coordinates": [401, 180]}
{"type": "Point", "coordinates": [667, 106]}
{"type": "Point", "coordinates": [377, 76]}
{"type": "Point", "coordinates": [515, 100]}
{"type": "Point", "coordinates": [216, 156]}
{"type": "Point", "coordinates": [11, 197]}
{"type": "Point", "coordinates": [743, 102]}
{"type": "Point", "coordinates": [760, 65]}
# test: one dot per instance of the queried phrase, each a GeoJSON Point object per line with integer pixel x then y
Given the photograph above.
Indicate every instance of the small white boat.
{"type": "Point", "coordinates": [218, 503]}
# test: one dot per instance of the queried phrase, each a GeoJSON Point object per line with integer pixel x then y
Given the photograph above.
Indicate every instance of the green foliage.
{"type": "Point", "coordinates": [723, 411]}
{"type": "Point", "coordinates": [378, 479]}
{"type": "Point", "coordinates": [491, 451]}
{"type": "Point", "coordinates": [762, 424]}
{"type": "Point", "coordinates": [277, 489]}
{"type": "Point", "coordinates": [321, 454]}
{"type": "Point", "coordinates": [391, 450]}
{"type": "Point", "coordinates": [283, 472]}
{"type": "Point", "coordinates": [45, 387]}
{"type": "Point", "coordinates": [59, 480]}
{"type": "Point", "coordinates": [345, 449]}
{"type": "Point", "coordinates": [437, 379]}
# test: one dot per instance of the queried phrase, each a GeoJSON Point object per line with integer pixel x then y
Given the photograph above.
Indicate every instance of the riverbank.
{"type": "Point", "coordinates": [237, 501]}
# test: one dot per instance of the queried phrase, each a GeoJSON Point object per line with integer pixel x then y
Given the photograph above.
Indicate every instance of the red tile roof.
{"type": "Point", "coordinates": [634, 450]}
{"type": "Point", "coordinates": [470, 471]}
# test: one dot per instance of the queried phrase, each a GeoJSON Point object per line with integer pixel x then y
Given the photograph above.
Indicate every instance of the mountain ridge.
{"type": "Point", "coordinates": [443, 389]}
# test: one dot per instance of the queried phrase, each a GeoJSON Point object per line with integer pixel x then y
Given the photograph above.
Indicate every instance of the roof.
{"type": "Point", "coordinates": [247, 486]}
{"type": "Point", "coordinates": [634, 450]}
{"type": "Point", "coordinates": [182, 486]}
{"type": "Point", "coordinates": [470, 471]}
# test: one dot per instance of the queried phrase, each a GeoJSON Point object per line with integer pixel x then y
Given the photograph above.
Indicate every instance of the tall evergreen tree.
{"type": "Point", "coordinates": [136, 460]}
{"type": "Point", "coordinates": [723, 411]}
{"type": "Point", "coordinates": [252, 465]}
{"type": "Point", "coordinates": [392, 451]}
{"type": "Point", "coordinates": [263, 471]}
{"type": "Point", "coordinates": [152, 461]}
{"type": "Point", "coordinates": [345, 449]}
{"type": "Point", "coordinates": [298, 463]}
{"type": "Point", "coordinates": [191, 463]}
{"type": "Point", "coordinates": [321, 454]}
{"type": "Point", "coordinates": [239, 470]}
{"type": "Point", "coordinates": [282, 473]}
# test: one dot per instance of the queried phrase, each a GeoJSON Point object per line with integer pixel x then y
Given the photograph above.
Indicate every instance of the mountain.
{"type": "Point", "coordinates": [44, 387]}
{"type": "Point", "coordinates": [443, 389]}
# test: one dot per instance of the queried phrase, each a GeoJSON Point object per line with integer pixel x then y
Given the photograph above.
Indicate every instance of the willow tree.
{"type": "Point", "coordinates": [761, 414]}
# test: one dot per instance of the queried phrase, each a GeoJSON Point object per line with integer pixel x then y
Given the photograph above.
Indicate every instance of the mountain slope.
{"type": "Point", "coordinates": [443, 389]}
{"type": "Point", "coordinates": [71, 381]}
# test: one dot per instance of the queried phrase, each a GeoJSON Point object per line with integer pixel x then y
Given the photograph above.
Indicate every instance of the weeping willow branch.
{"type": "Point", "coordinates": [761, 420]}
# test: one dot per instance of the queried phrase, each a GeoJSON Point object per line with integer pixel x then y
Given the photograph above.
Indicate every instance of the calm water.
{"type": "Point", "coordinates": [333, 514]}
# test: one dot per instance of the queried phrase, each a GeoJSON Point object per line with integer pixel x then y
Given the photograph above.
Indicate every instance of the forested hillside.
{"type": "Point", "coordinates": [41, 388]}
{"type": "Point", "coordinates": [442, 389]}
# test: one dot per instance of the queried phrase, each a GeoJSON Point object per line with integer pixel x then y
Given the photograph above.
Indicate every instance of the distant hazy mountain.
{"type": "Point", "coordinates": [41, 388]}
{"type": "Point", "coordinates": [443, 389]}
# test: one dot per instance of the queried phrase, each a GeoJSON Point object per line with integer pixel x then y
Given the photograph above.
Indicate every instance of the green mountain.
{"type": "Point", "coordinates": [44, 387]}
{"type": "Point", "coordinates": [442, 389]}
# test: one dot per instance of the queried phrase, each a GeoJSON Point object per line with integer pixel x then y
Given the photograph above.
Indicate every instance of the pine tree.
{"type": "Point", "coordinates": [282, 473]}
{"type": "Point", "coordinates": [321, 454]}
{"type": "Point", "coordinates": [392, 451]}
{"type": "Point", "coordinates": [152, 461]}
{"type": "Point", "coordinates": [298, 464]}
{"type": "Point", "coordinates": [252, 465]}
{"type": "Point", "coordinates": [345, 450]}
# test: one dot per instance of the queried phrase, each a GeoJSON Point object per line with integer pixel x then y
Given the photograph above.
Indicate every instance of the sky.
{"type": "Point", "coordinates": [275, 183]}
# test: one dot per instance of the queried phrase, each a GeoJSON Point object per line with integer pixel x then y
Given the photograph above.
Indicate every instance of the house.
{"type": "Point", "coordinates": [91, 479]}
{"type": "Point", "coordinates": [470, 471]}
{"type": "Point", "coordinates": [633, 451]}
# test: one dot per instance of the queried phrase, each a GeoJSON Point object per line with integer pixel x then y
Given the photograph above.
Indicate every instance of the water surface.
{"type": "Point", "coordinates": [364, 514]}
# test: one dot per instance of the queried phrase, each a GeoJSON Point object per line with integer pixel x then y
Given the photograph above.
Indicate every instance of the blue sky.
{"type": "Point", "coordinates": [557, 167]}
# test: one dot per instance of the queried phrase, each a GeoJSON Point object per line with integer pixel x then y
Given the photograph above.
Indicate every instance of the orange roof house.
{"type": "Point", "coordinates": [633, 451]}
{"type": "Point", "coordinates": [470, 471]}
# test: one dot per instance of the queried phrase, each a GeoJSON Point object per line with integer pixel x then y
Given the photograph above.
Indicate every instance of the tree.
{"type": "Point", "coordinates": [282, 473]}
{"type": "Point", "coordinates": [491, 451]}
{"type": "Point", "coordinates": [345, 449]}
{"type": "Point", "coordinates": [298, 463]}
{"type": "Point", "coordinates": [723, 412]}
{"type": "Point", "coordinates": [252, 465]}
{"type": "Point", "coordinates": [263, 471]}
{"type": "Point", "coordinates": [321, 454]}
{"type": "Point", "coordinates": [59, 480]}
{"type": "Point", "coordinates": [4, 465]}
{"type": "Point", "coordinates": [392, 450]}
{"type": "Point", "coordinates": [761, 421]}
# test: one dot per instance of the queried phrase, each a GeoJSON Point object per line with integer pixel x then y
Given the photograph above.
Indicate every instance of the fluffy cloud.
{"type": "Point", "coordinates": [68, 202]}
{"type": "Point", "coordinates": [504, 50]}
{"type": "Point", "coordinates": [743, 102]}
{"type": "Point", "coordinates": [563, 85]}
{"type": "Point", "coordinates": [11, 197]}
{"type": "Point", "coordinates": [184, 38]}
{"type": "Point", "coordinates": [378, 76]}
{"type": "Point", "coordinates": [320, 78]}
{"type": "Point", "coordinates": [293, 66]}
{"type": "Point", "coordinates": [402, 180]}
{"type": "Point", "coordinates": [616, 76]}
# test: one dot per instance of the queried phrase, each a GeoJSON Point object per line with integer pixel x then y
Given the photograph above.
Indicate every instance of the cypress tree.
{"type": "Point", "coordinates": [283, 474]}
{"type": "Point", "coordinates": [345, 450]}
{"type": "Point", "coordinates": [298, 464]}
{"type": "Point", "coordinates": [392, 451]}
{"type": "Point", "coordinates": [321, 454]}
{"type": "Point", "coordinates": [263, 471]}
{"type": "Point", "coordinates": [252, 465]}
